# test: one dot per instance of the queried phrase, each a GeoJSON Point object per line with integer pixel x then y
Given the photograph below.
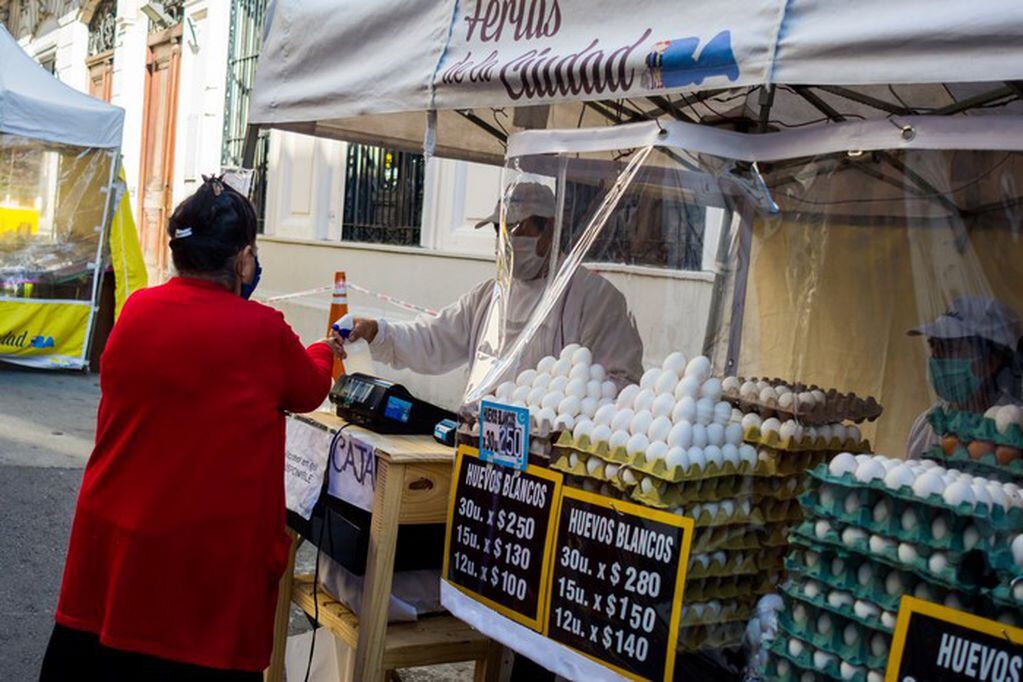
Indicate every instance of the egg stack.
{"type": "Point", "coordinates": [671, 442]}
{"type": "Point", "coordinates": [558, 392]}
{"type": "Point", "coordinates": [807, 404]}
{"type": "Point", "coordinates": [989, 445]}
{"type": "Point", "coordinates": [878, 528]}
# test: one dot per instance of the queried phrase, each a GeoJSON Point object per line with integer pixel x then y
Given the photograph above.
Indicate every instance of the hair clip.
{"type": "Point", "coordinates": [182, 233]}
{"type": "Point", "coordinates": [216, 182]}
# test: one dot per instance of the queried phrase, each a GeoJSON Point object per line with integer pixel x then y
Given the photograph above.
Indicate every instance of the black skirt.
{"type": "Point", "coordinates": [77, 655]}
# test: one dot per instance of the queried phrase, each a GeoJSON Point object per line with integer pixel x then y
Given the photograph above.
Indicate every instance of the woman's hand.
{"type": "Point", "coordinates": [336, 344]}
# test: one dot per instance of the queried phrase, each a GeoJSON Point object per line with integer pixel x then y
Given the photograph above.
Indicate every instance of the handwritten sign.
{"type": "Point", "coordinates": [934, 643]}
{"type": "Point", "coordinates": [497, 548]}
{"type": "Point", "coordinates": [305, 463]}
{"type": "Point", "coordinates": [616, 583]}
{"type": "Point", "coordinates": [504, 434]}
{"type": "Point", "coordinates": [353, 471]}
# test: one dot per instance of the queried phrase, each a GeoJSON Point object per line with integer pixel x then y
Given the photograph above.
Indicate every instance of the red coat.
{"type": "Point", "coordinates": [179, 537]}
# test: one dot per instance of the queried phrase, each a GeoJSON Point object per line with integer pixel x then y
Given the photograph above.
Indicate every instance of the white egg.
{"type": "Point", "coordinates": [971, 536]}
{"type": "Point", "coordinates": [676, 457]}
{"type": "Point", "coordinates": [997, 494]}
{"type": "Point", "coordinates": [604, 414]}
{"type": "Point", "coordinates": [594, 466]}
{"type": "Point", "coordinates": [542, 380]}
{"type": "Point", "coordinates": [733, 435]}
{"type": "Point", "coordinates": [715, 434]}
{"type": "Point", "coordinates": [637, 444]}
{"type": "Point", "coordinates": [771, 425]}
{"type": "Point", "coordinates": [644, 400]}
{"type": "Point", "coordinates": [907, 553]}
{"type": "Point", "coordinates": [812, 589]}
{"type": "Point", "coordinates": [882, 510]}
{"type": "Point", "coordinates": [1007, 414]}
{"type": "Point", "coordinates": [583, 427]}
{"type": "Point", "coordinates": [852, 432]}
{"type": "Point", "coordinates": [568, 351]}
{"type": "Point", "coordinates": [840, 599]}
{"type": "Point", "coordinates": [622, 419]}
{"type": "Point", "coordinates": [649, 378]}
{"type": "Point", "coordinates": [850, 635]}
{"type": "Point", "coordinates": [545, 417]}
{"type": "Point", "coordinates": [937, 563]}
{"type": "Point", "coordinates": [730, 385]}
{"type": "Point", "coordinates": [505, 390]}
{"type": "Point", "coordinates": [558, 383]}
{"type": "Point", "coordinates": [748, 454]}
{"type": "Point", "coordinates": [713, 455]}
{"type": "Point", "coordinates": [684, 410]}
{"type": "Point", "coordinates": [666, 382]}
{"type": "Point", "coordinates": [608, 390]}
{"type": "Point", "coordinates": [704, 411]}
{"type": "Point", "coordinates": [842, 463]}
{"type": "Point", "coordinates": [628, 396]}
{"type": "Point", "coordinates": [789, 429]}
{"type": "Point", "coordinates": [722, 413]}
{"type": "Point", "coordinates": [574, 459]}
{"type": "Point", "coordinates": [663, 405]}
{"type": "Point", "coordinates": [900, 476]}
{"type": "Point", "coordinates": [698, 367]}
{"type": "Point", "coordinates": [597, 373]}
{"type": "Point", "coordinates": [601, 433]}
{"type": "Point", "coordinates": [929, 483]}
{"type": "Point", "coordinates": [958, 493]}
{"type": "Point", "coordinates": [730, 454]}
{"type": "Point", "coordinates": [580, 372]}
{"type": "Point", "coordinates": [641, 422]}
{"type": "Point", "coordinates": [824, 624]}
{"type": "Point", "coordinates": [576, 387]}
{"type": "Point", "coordinates": [582, 356]}
{"type": "Point", "coordinates": [699, 435]}
{"type": "Point", "coordinates": [610, 470]}
{"type": "Point", "coordinates": [650, 485]}
{"type": "Point", "coordinates": [875, 676]}
{"type": "Point", "coordinates": [552, 399]}
{"type": "Point", "coordinates": [751, 420]}
{"type": "Point", "coordinates": [696, 458]}
{"type": "Point", "coordinates": [593, 389]}
{"type": "Point", "coordinates": [588, 407]}
{"type": "Point", "coordinates": [681, 435]}
{"type": "Point", "coordinates": [687, 388]}
{"type": "Point", "coordinates": [822, 659]}
{"type": "Point", "coordinates": [879, 646]}
{"type": "Point", "coordinates": [888, 619]}
{"type": "Point", "coordinates": [659, 429]}
{"type": "Point", "coordinates": [1017, 550]}
{"type": "Point", "coordinates": [923, 591]}
{"type": "Point", "coordinates": [852, 537]}
{"type": "Point", "coordinates": [561, 368]}
{"type": "Point", "coordinates": [676, 362]}
{"type": "Point", "coordinates": [796, 648]}
{"type": "Point", "coordinates": [865, 609]}
{"type": "Point", "coordinates": [526, 377]}
{"type": "Point", "coordinates": [748, 390]}
{"type": "Point", "coordinates": [821, 529]}
{"type": "Point", "coordinates": [894, 584]}
{"type": "Point", "coordinates": [564, 422]}
{"type": "Point", "coordinates": [628, 477]}
{"type": "Point", "coordinates": [711, 388]}
{"type": "Point", "coordinates": [881, 545]}
{"type": "Point", "coordinates": [656, 450]}
{"type": "Point", "coordinates": [848, 671]}
{"type": "Point", "coordinates": [871, 470]}
{"type": "Point", "coordinates": [546, 364]}
{"type": "Point", "coordinates": [522, 393]}
{"type": "Point", "coordinates": [619, 439]}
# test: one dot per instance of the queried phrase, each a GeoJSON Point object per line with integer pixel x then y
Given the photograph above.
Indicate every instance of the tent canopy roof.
{"type": "Point", "coordinates": [368, 72]}
{"type": "Point", "coordinates": [36, 105]}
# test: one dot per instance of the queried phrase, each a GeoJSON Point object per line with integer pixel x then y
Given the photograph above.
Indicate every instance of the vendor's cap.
{"type": "Point", "coordinates": [975, 316]}
{"type": "Point", "coordinates": [526, 199]}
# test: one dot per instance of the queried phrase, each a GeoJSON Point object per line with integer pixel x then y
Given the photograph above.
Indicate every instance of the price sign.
{"type": "Point", "coordinates": [504, 434]}
{"type": "Point", "coordinates": [934, 643]}
{"type": "Point", "coordinates": [497, 547]}
{"type": "Point", "coordinates": [616, 584]}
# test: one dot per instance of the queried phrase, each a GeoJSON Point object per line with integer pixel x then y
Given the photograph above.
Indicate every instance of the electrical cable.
{"type": "Point", "coordinates": [319, 549]}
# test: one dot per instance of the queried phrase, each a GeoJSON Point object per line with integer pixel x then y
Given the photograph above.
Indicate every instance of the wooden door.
{"type": "Point", "coordinates": [101, 76]}
{"type": "Point", "coordinates": [158, 127]}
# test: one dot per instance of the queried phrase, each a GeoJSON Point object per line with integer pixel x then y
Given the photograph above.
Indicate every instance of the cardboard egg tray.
{"type": "Point", "coordinates": [732, 586]}
{"type": "Point", "coordinates": [858, 653]}
{"type": "Point", "coordinates": [736, 563]}
{"type": "Point", "coordinates": [771, 439]}
{"type": "Point", "coordinates": [969, 426]}
{"type": "Point", "coordinates": [695, 611]}
{"type": "Point", "coordinates": [733, 538]}
{"type": "Point", "coordinates": [702, 637]}
{"type": "Point", "coordinates": [836, 407]}
{"type": "Point", "coordinates": [986, 466]}
{"type": "Point", "coordinates": [874, 593]}
{"type": "Point", "coordinates": [922, 537]}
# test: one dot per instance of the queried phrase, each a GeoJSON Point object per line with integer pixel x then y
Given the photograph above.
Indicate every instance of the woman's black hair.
{"type": "Point", "coordinates": [209, 229]}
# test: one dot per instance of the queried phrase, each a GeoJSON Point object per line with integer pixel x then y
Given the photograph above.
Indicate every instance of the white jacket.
{"type": "Point", "coordinates": [593, 313]}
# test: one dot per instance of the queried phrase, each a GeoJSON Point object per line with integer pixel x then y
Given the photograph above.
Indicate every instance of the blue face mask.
{"type": "Point", "coordinates": [248, 288]}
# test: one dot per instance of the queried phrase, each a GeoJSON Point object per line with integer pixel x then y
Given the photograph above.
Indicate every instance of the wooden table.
{"type": "Point", "coordinates": [412, 485]}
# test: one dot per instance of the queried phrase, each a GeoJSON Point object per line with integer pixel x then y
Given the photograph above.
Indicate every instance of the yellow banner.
{"type": "Point", "coordinates": [20, 220]}
{"type": "Point", "coordinates": [43, 333]}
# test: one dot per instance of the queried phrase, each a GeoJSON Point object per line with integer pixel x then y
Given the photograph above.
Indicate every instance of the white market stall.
{"type": "Point", "coordinates": [867, 153]}
{"type": "Point", "coordinates": [59, 159]}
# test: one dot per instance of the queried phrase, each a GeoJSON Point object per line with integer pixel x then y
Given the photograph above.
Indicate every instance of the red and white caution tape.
{"type": "Point", "coordinates": [396, 302]}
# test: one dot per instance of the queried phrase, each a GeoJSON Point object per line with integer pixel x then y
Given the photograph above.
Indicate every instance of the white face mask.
{"type": "Point", "coordinates": [526, 264]}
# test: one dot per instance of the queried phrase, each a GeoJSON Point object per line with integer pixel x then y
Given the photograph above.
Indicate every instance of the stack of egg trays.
{"type": "Point", "coordinates": [541, 436]}
{"type": "Point", "coordinates": [968, 427]}
{"type": "Point", "coordinates": [995, 527]}
{"type": "Point", "coordinates": [781, 667]}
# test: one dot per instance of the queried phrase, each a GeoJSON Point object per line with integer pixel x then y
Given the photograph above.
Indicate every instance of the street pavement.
{"type": "Point", "coordinates": [47, 425]}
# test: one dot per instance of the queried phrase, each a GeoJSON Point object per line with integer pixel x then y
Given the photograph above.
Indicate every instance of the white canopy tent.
{"type": "Point", "coordinates": [36, 105]}
{"type": "Point", "coordinates": [370, 72]}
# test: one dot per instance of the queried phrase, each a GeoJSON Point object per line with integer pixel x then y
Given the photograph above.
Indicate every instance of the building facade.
{"type": "Point", "coordinates": [183, 71]}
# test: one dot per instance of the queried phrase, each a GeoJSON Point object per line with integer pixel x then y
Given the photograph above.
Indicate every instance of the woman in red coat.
{"type": "Point", "coordinates": [179, 537]}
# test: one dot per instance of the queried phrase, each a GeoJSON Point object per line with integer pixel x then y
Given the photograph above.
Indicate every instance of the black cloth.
{"type": "Point", "coordinates": [77, 655]}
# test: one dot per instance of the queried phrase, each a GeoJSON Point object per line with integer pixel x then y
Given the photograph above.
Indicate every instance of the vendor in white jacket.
{"type": "Point", "coordinates": [592, 312]}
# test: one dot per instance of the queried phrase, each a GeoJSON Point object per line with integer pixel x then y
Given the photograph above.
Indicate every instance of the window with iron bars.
{"type": "Point", "coordinates": [383, 196]}
{"type": "Point", "coordinates": [645, 229]}
{"type": "Point", "coordinates": [244, 42]}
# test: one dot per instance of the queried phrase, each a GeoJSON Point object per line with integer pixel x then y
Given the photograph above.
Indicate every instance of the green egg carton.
{"type": "Point", "coordinates": [999, 519]}
{"type": "Point", "coordinates": [793, 673]}
{"type": "Point", "coordinates": [1005, 595]}
{"type": "Point", "coordinates": [795, 592]}
{"type": "Point", "coordinates": [970, 426]}
{"type": "Point", "coordinates": [858, 654]}
{"type": "Point", "coordinates": [796, 566]}
{"type": "Point", "coordinates": [921, 536]}
{"type": "Point", "coordinates": [986, 466]}
{"type": "Point", "coordinates": [780, 646]}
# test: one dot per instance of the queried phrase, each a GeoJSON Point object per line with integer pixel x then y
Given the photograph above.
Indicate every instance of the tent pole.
{"type": "Point", "coordinates": [249, 148]}
{"type": "Point", "coordinates": [722, 268]}
{"type": "Point", "coordinates": [746, 214]}
{"type": "Point", "coordinates": [97, 272]}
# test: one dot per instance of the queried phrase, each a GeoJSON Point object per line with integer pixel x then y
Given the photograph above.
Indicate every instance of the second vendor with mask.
{"type": "Point", "coordinates": [592, 312]}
